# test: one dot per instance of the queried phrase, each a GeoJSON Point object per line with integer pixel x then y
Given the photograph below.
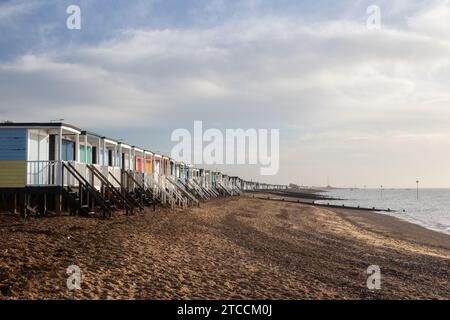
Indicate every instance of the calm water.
{"type": "Point", "coordinates": [432, 210]}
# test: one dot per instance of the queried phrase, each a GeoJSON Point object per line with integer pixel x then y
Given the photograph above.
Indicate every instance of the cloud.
{"type": "Point", "coordinates": [270, 64]}
{"type": "Point", "coordinates": [40, 88]}
{"type": "Point", "coordinates": [12, 9]}
{"type": "Point", "coordinates": [433, 20]}
{"type": "Point", "coordinates": [334, 82]}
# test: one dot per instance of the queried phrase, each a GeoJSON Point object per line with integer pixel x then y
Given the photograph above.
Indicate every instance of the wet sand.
{"type": "Point", "coordinates": [239, 248]}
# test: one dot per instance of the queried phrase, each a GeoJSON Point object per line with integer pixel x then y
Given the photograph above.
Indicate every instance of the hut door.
{"type": "Point", "coordinates": [67, 150]}
{"type": "Point", "coordinates": [51, 148]}
{"type": "Point", "coordinates": [110, 158]}
{"type": "Point", "coordinates": [94, 155]}
{"type": "Point", "coordinates": [148, 166]}
{"type": "Point", "coordinates": [139, 165]}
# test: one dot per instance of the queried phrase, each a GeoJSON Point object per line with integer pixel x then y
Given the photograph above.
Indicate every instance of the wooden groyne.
{"type": "Point", "coordinates": [326, 205]}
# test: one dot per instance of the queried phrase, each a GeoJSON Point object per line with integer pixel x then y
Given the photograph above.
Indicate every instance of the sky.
{"type": "Point", "coordinates": [354, 105]}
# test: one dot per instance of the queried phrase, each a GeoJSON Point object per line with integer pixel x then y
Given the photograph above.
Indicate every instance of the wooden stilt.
{"type": "Point", "coordinates": [3, 203]}
{"type": "Point", "coordinates": [14, 203]}
{"type": "Point", "coordinates": [23, 204]}
{"type": "Point", "coordinates": [44, 204]}
{"type": "Point", "coordinates": [58, 202]}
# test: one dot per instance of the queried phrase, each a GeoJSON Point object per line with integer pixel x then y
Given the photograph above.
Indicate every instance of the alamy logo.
{"type": "Point", "coordinates": [374, 20]}
{"type": "Point", "coordinates": [74, 280]}
{"type": "Point", "coordinates": [73, 21]}
{"type": "Point", "coordinates": [236, 146]}
{"type": "Point", "coordinates": [374, 280]}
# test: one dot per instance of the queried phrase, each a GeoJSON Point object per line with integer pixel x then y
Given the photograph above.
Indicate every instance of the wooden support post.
{"type": "Point", "coordinates": [104, 153]}
{"type": "Point", "coordinates": [44, 204]}
{"type": "Point", "coordinates": [8, 205]}
{"type": "Point", "coordinates": [23, 204]}
{"type": "Point", "coordinates": [91, 178]}
{"type": "Point", "coordinates": [85, 155]}
{"type": "Point", "coordinates": [130, 162]}
{"type": "Point", "coordinates": [15, 203]}
{"type": "Point", "coordinates": [3, 203]}
{"type": "Point", "coordinates": [59, 158]}
{"type": "Point", "coordinates": [99, 151]}
{"type": "Point", "coordinates": [80, 195]}
{"type": "Point", "coordinates": [58, 201]}
{"type": "Point", "coordinates": [92, 203]}
{"type": "Point", "coordinates": [114, 157]}
{"type": "Point", "coordinates": [77, 148]}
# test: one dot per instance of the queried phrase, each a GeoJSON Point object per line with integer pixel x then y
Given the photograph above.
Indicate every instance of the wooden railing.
{"type": "Point", "coordinates": [108, 188]}
{"type": "Point", "coordinates": [94, 196]}
{"type": "Point", "coordinates": [42, 173]}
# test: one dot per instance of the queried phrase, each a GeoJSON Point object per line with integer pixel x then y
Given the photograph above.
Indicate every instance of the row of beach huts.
{"type": "Point", "coordinates": [57, 167]}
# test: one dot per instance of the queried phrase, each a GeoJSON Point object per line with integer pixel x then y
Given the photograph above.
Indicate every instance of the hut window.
{"type": "Point", "coordinates": [83, 156]}
{"type": "Point", "coordinates": [38, 147]}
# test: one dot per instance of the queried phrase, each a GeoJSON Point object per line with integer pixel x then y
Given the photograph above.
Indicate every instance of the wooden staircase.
{"type": "Point", "coordinates": [141, 195]}
{"type": "Point", "coordinates": [113, 194]}
{"type": "Point", "coordinates": [186, 198]}
{"type": "Point", "coordinates": [84, 199]}
{"type": "Point", "coordinates": [213, 191]}
{"type": "Point", "coordinates": [187, 191]}
{"type": "Point", "coordinates": [175, 193]}
{"type": "Point", "coordinates": [207, 194]}
{"type": "Point", "coordinates": [223, 190]}
{"type": "Point", "coordinates": [238, 191]}
{"type": "Point", "coordinates": [197, 189]}
{"type": "Point", "coordinates": [126, 194]}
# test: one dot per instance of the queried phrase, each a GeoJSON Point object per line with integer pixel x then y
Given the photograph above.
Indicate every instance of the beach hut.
{"type": "Point", "coordinates": [125, 156]}
{"type": "Point", "coordinates": [99, 152]}
{"type": "Point", "coordinates": [48, 166]}
{"type": "Point", "coordinates": [138, 165]}
{"type": "Point", "coordinates": [157, 164]}
{"type": "Point", "coordinates": [55, 165]}
{"type": "Point", "coordinates": [182, 170]}
{"type": "Point", "coordinates": [138, 160]}
{"type": "Point", "coordinates": [33, 157]}
{"type": "Point", "coordinates": [148, 168]}
{"type": "Point", "coordinates": [166, 166]}
{"type": "Point", "coordinates": [29, 153]}
{"type": "Point", "coordinates": [172, 168]}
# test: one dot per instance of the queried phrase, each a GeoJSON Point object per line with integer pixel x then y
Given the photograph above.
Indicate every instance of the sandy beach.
{"type": "Point", "coordinates": [235, 248]}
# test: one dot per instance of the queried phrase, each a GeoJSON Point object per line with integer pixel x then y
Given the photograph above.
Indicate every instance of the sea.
{"type": "Point", "coordinates": [429, 208]}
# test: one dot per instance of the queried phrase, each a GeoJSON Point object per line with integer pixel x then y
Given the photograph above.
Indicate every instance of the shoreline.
{"type": "Point", "coordinates": [394, 227]}
{"type": "Point", "coordinates": [315, 196]}
{"type": "Point", "coordinates": [234, 248]}
{"type": "Point", "coordinates": [391, 224]}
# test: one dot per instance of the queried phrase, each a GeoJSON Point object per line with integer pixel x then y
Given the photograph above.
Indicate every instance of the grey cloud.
{"type": "Point", "coordinates": [347, 87]}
